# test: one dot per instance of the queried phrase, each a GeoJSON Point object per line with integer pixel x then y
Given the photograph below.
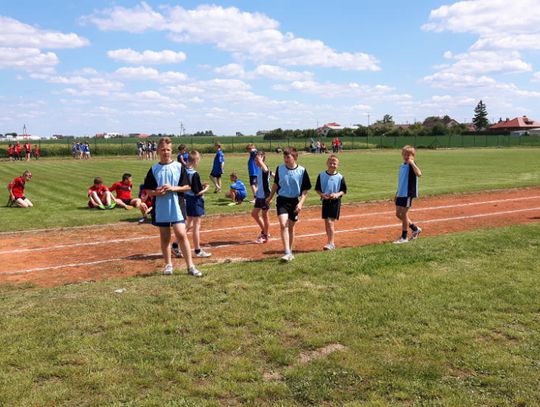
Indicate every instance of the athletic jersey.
{"type": "Point", "coordinates": [240, 189]}
{"type": "Point", "coordinates": [27, 147]}
{"type": "Point", "coordinates": [263, 184]}
{"type": "Point", "coordinates": [252, 167]}
{"type": "Point", "coordinates": [10, 150]}
{"type": "Point", "coordinates": [218, 160]}
{"type": "Point", "coordinates": [99, 189]}
{"type": "Point", "coordinates": [123, 191]}
{"type": "Point", "coordinates": [17, 187]}
{"type": "Point", "coordinates": [166, 207]}
{"type": "Point", "coordinates": [330, 183]}
{"type": "Point", "coordinates": [407, 182]}
{"type": "Point", "coordinates": [194, 182]}
{"type": "Point", "coordinates": [291, 182]}
{"type": "Point", "coordinates": [185, 156]}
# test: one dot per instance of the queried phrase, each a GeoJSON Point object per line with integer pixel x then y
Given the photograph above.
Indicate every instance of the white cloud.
{"type": "Point", "coordinates": [82, 86]}
{"type": "Point", "coordinates": [484, 62]}
{"type": "Point", "coordinates": [536, 77]}
{"type": "Point", "coordinates": [29, 59]}
{"type": "Point", "coordinates": [246, 35]}
{"type": "Point", "coordinates": [147, 57]}
{"type": "Point", "coordinates": [13, 33]}
{"type": "Point", "coordinates": [136, 20]}
{"type": "Point", "coordinates": [234, 70]}
{"type": "Point", "coordinates": [273, 72]}
{"type": "Point", "coordinates": [144, 73]}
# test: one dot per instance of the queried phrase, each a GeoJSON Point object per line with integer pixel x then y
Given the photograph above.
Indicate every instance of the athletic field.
{"type": "Point", "coordinates": [449, 319]}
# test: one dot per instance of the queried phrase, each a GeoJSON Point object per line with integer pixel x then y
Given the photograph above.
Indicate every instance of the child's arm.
{"type": "Point", "coordinates": [415, 168]}
{"type": "Point", "coordinates": [272, 193]}
{"type": "Point", "coordinates": [300, 204]}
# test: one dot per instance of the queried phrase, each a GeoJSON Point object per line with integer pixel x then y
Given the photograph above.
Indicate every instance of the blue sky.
{"type": "Point", "coordinates": [125, 66]}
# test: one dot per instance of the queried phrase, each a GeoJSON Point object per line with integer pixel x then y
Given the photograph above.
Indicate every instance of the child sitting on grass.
{"type": "Point", "coordinates": [99, 196]}
{"type": "Point", "coordinates": [237, 191]}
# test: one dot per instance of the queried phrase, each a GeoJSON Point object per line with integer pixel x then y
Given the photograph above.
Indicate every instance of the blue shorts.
{"type": "Point", "coordinates": [194, 206]}
{"type": "Point", "coordinates": [239, 197]}
{"type": "Point", "coordinates": [216, 173]}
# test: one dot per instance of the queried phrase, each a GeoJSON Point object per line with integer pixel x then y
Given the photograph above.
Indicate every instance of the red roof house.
{"type": "Point", "coordinates": [516, 124]}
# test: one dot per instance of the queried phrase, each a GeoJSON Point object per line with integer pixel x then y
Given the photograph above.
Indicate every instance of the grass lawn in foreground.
{"type": "Point", "coordinates": [452, 320]}
{"type": "Point", "coordinates": [58, 188]}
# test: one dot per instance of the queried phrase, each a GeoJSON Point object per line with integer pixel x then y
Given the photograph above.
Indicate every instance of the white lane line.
{"type": "Point", "coordinates": [390, 225]}
{"type": "Point", "coordinates": [254, 226]}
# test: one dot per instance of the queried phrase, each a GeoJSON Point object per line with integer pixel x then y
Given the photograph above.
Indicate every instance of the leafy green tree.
{"type": "Point", "coordinates": [480, 119]}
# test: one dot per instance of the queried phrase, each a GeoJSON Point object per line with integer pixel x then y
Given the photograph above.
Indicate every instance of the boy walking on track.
{"type": "Point", "coordinates": [260, 209]}
{"type": "Point", "coordinates": [217, 168]}
{"type": "Point", "coordinates": [164, 182]}
{"type": "Point", "coordinates": [291, 183]}
{"type": "Point", "coordinates": [331, 187]}
{"type": "Point", "coordinates": [407, 191]}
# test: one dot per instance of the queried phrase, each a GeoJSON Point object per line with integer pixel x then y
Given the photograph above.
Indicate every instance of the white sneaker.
{"type": "Point", "coordinates": [202, 253]}
{"type": "Point", "coordinates": [168, 270]}
{"type": "Point", "coordinates": [194, 272]}
{"type": "Point", "coordinates": [401, 241]}
{"type": "Point", "coordinates": [176, 250]}
{"type": "Point", "coordinates": [288, 257]}
{"type": "Point", "coordinates": [329, 246]}
{"type": "Point", "coordinates": [416, 232]}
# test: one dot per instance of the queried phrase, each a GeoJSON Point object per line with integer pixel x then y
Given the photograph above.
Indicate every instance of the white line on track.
{"type": "Point", "coordinates": [254, 226]}
{"type": "Point", "coordinates": [390, 225]}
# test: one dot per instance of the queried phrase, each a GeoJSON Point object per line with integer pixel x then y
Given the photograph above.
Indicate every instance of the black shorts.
{"type": "Point", "coordinates": [331, 208]}
{"type": "Point", "coordinates": [127, 201]}
{"type": "Point", "coordinates": [288, 206]}
{"type": "Point", "coordinates": [260, 203]}
{"type": "Point", "coordinates": [404, 202]}
{"type": "Point", "coordinates": [216, 174]}
{"type": "Point", "coordinates": [252, 180]}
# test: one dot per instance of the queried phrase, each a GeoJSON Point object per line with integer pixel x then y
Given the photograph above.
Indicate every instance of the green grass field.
{"type": "Point", "coordinates": [58, 188]}
{"type": "Point", "coordinates": [447, 321]}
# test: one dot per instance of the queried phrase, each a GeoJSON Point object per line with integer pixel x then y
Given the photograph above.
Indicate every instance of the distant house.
{"type": "Point", "coordinates": [517, 124]}
{"type": "Point", "coordinates": [326, 128]}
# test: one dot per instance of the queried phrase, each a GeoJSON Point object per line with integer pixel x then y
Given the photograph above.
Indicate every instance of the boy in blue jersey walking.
{"type": "Point", "coordinates": [331, 187]}
{"type": "Point", "coordinates": [291, 183]}
{"type": "Point", "coordinates": [217, 168]}
{"type": "Point", "coordinates": [165, 180]}
{"type": "Point", "coordinates": [407, 191]}
{"type": "Point", "coordinates": [253, 170]}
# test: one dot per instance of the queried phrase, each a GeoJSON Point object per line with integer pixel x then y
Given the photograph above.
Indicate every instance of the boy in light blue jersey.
{"type": "Point", "coordinates": [291, 183]}
{"type": "Point", "coordinates": [407, 190]}
{"type": "Point", "coordinates": [237, 191]}
{"type": "Point", "coordinates": [165, 180]}
{"type": "Point", "coordinates": [331, 187]}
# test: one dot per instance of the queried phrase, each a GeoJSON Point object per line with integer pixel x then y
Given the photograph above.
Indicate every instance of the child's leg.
{"type": "Point", "coordinates": [94, 198]}
{"type": "Point", "coordinates": [401, 213]}
{"type": "Point", "coordinates": [165, 240]}
{"type": "Point", "coordinates": [120, 203]}
{"type": "Point", "coordinates": [108, 198]}
{"type": "Point", "coordinates": [329, 226]}
{"type": "Point", "coordinates": [196, 224]}
{"type": "Point", "coordinates": [254, 189]}
{"type": "Point", "coordinates": [232, 194]}
{"type": "Point", "coordinates": [21, 203]}
{"type": "Point", "coordinates": [179, 230]}
{"type": "Point", "coordinates": [266, 222]}
{"type": "Point", "coordinates": [292, 224]}
{"type": "Point", "coordinates": [255, 215]}
{"type": "Point", "coordinates": [284, 231]}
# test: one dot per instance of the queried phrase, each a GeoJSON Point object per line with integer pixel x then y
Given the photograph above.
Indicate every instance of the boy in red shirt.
{"type": "Point", "coordinates": [10, 152]}
{"type": "Point", "coordinates": [99, 195]}
{"type": "Point", "coordinates": [123, 194]}
{"type": "Point", "coordinates": [27, 150]}
{"type": "Point", "coordinates": [16, 190]}
{"type": "Point", "coordinates": [36, 152]}
{"type": "Point", "coordinates": [17, 150]}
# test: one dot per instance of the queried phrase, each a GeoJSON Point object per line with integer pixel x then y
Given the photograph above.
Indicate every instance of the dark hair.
{"type": "Point", "coordinates": [127, 175]}
{"type": "Point", "coordinates": [262, 154]}
{"type": "Point", "coordinates": [291, 151]}
{"type": "Point", "coordinates": [181, 147]}
{"type": "Point", "coordinates": [98, 180]}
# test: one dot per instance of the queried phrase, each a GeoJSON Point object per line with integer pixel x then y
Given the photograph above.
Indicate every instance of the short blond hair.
{"type": "Point", "coordinates": [164, 141]}
{"type": "Point", "coordinates": [408, 149]}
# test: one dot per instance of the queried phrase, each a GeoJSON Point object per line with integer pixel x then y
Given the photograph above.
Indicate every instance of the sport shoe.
{"type": "Point", "coordinates": [142, 220]}
{"type": "Point", "coordinates": [168, 270]}
{"type": "Point", "coordinates": [262, 238]}
{"type": "Point", "coordinates": [416, 232]}
{"type": "Point", "coordinates": [288, 257]}
{"type": "Point", "coordinates": [401, 241]}
{"type": "Point", "coordinates": [102, 207]}
{"type": "Point", "coordinates": [202, 253]}
{"type": "Point", "coordinates": [176, 250]}
{"type": "Point", "coordinates": [232, 204]}
{"type": "Point", "coordinates": [111, 206]}
{"type": "Point", "coordinates": [129, 207]}
{"type": "Point", "coordinates": [194, 272]}
{"type": "Point", "coordinates": [329, 246]}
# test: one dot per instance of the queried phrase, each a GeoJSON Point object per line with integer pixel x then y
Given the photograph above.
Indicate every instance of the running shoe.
{"type": "Point", "coordinates": [262, 238]}
{"type": "Point", "coordinates": [401, 240]}
{"type": "Point", "coordinates": [129, 207]}
{"type": "Point", "coordinates": [329, 246]}
{"type": "Point", "coordinates": [416, 232]}
{"type": "Point", "coordinates": [288, 257]}
{"type": "Point", "coordinates": [142, 220]}
{"type": "Point", "coordinates": [203, 254]}
{"type": "Point", "coordinates": [194, 272]}
{"type": "Point", "coordinates": [102, 207]}
{"type": "Point", "coordinates": [176, 250]}
{"type": "Point", "coordinates": [168, 270]}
